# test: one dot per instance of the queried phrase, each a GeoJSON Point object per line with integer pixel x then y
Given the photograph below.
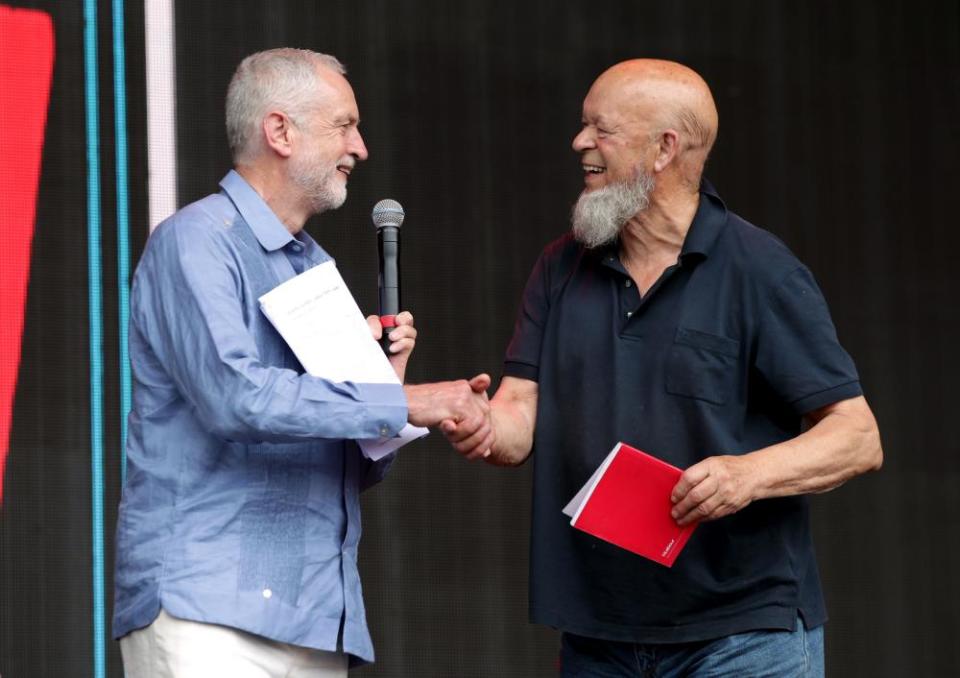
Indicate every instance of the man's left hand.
{"type": "Point", "coordinates": [403, 338]}
{"type": "Point", "coordinates": [711, 489]}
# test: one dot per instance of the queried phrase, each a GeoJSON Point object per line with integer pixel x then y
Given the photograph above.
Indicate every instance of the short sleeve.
{"type": "Point", "coordinates": [523, 352]}
{"type": "Point", "coordinates": [798, 353]}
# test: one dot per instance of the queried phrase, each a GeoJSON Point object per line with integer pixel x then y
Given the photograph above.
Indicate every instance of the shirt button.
{"type": "Point", "coordinates": [267, 593]}
{"type": "Point", "coordinates": [384, 431]}
{"type": "Point", "coordinates": [627, 283]}
{"type": "Point", "coordinates": [629, 313]}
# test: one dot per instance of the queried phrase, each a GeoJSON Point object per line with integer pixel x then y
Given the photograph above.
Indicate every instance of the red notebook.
{"type": "Point", "coordinates": [627, 503]}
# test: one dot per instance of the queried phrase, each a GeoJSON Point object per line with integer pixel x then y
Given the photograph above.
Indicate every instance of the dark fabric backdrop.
{"type": "Point", "coordinates": [838, 132]}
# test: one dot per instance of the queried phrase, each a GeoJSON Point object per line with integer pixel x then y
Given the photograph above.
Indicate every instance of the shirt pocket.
{"type": "Point", "coordinates": [702, 366]}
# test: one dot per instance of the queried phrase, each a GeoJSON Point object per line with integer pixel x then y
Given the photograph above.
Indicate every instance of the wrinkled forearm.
{"type": "Point", "coordinates": [844, 442]}
{"type": "Point", "coordinates": [513, 415]}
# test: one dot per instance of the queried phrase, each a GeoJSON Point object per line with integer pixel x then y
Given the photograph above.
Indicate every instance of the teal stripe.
{"type": "Point", "coordinates": [123, 224]}
{"type": "Point", "coordinates": [96, 329]}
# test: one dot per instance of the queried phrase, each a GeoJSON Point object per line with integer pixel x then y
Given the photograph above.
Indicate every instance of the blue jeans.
{"type": "Point", "coordinates": [756, 654]}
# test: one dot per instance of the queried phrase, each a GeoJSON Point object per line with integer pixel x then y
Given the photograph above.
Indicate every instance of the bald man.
{"type": "Point", "coordinates": [668, 322]}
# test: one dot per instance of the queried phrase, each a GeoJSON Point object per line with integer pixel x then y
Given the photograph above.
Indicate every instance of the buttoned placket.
{"type": "Point", "coordinates": [630, 300]}
{"type": "Point", "coordinates": [631, 303]}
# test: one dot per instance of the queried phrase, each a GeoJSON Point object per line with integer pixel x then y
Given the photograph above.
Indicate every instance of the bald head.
{"type": "Point", "coordinates": [668, 94]}
{"type": "Point", "coordinates": [647, 99]}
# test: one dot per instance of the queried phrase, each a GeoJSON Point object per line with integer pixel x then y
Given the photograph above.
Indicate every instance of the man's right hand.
{"type": "Point", "coordinates": [472, 443]}
{"type": "Point", "coordinates": [513, 417]}
{"type": "Point", "coordinates": [464, 403]}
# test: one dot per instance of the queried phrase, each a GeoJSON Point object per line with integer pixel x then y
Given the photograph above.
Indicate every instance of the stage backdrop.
{"type": "Point", "coordinates": [838, 133]}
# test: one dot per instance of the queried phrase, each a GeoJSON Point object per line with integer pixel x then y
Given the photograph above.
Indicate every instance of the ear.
{"type": "Point", "coordinates": [278, 133]}
{"type": "Point", "coordinates": [669, 145]}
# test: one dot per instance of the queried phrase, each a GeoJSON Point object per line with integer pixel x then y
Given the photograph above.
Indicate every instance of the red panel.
{"type": "Point", "coordinates": [26, 66]}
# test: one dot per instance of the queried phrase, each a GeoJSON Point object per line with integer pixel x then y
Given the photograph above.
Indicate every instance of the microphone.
{"type": "Point", "coordinates": [387, 216]}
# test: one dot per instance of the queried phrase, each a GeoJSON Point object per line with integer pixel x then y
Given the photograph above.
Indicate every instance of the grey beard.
{"type": "Point", "coordinates": [599, 215]}
{"type": "Point", "coordinates": [320, 192]}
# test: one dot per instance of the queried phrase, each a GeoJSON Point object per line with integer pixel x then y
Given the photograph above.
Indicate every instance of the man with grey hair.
{"type": "Point", "coordinates": [239, 521]}
{"type": "Point", "coordinates": [667, 322]}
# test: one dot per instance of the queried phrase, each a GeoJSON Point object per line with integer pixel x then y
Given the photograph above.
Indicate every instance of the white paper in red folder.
{"type": "Point", "coordinates": [627, 503]}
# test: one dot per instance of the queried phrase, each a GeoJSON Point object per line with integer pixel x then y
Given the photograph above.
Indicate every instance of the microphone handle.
{"type": "Point", "coordinates": [389, 282]}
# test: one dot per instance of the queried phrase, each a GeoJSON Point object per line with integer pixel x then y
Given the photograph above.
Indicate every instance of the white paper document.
{"type": "Point", "coordinates": [320, 320]}
{"type": "Point", "coordinates": [572, 509]}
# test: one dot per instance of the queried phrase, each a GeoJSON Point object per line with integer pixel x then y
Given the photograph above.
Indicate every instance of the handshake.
{"type": "Point", "coordinates": [460, 409]}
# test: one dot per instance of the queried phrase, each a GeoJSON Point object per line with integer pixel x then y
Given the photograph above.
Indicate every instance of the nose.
{"type": "Point", "coordinates": [585, 140]}
{"type": "Point", "coordinates": [356, 147]}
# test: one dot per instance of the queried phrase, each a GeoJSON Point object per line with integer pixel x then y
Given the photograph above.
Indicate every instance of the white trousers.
{"type": "Point", "coordinates": [178, 648]}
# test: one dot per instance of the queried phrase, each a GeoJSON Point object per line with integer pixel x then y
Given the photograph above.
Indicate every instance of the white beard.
{"type": "Point", "coordinates": [321, 188]}
{"type": "Point", "coordinates": [599, 215]}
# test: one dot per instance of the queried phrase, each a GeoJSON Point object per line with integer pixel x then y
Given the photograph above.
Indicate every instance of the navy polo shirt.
{"type": "Point", "coordinates": [723, 355]}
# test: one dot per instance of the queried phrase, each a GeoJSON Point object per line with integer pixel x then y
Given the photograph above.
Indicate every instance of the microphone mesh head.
{"type": "Point", "coordinates": [387, 212]}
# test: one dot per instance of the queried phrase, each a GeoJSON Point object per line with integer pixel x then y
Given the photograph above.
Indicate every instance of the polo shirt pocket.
{"type": "Point", "coordinates": [701, 365]}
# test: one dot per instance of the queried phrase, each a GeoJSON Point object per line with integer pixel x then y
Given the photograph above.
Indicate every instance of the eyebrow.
{"type": "Point", "coordinates": [596, 119]}
{"type": "Point", "coordinates": [599, 121]}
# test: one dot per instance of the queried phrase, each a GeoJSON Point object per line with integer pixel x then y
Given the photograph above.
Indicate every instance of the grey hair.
{"type": "Point", "coordinates": [696, 144]}
{"type": "Point", "coordinates": [698, 134]}
{"type": "Point", "coordinates": [284, 79]}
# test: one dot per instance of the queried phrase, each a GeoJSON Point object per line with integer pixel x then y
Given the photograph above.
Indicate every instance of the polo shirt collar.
{"type": "Point", "coordinates": [709, 220]}
{"type": "Point", "coordinates": [268, 229]}
{"type": "Point", "coordinates": [707, 223]}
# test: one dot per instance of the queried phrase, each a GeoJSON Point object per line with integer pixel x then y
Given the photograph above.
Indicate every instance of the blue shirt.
{"type": "Point", "coordinates": [724, 354]}
{"type": "Point", "coordinates": [241, 504]}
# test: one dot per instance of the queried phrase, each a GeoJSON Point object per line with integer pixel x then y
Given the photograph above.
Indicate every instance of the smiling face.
{"type": "Point", "coordinates": [647, 116]}
{"type": "Point", "coordinates": [329, 145]}
{"type": "Point", "coordinates": [617, 142]}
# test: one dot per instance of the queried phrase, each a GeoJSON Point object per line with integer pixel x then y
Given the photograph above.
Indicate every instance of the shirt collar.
{"type": "Point", "coordinates": [709, 220]}
{"type": "Point", "coordinates": [707, 223]}
{"type": "Point", "coordinates": [267, 228]}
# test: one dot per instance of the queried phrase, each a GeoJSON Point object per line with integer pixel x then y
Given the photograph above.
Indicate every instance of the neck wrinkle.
{"type": "Point", "coordinates": [276, 192]}
{"type": "Point", "coordinates": [660, 230]}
